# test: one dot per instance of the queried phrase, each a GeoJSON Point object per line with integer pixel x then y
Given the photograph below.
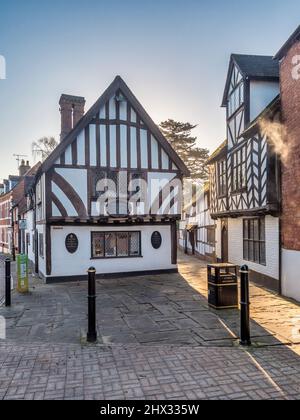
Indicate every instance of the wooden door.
{"type": "Point", "coordinates": [224, 243]}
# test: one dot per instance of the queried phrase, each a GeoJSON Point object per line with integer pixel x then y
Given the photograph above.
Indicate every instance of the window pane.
{"type": "Point", "coordinates": [262, 230]}
{"type": "Point", "coordinates": [122, 244]}
{"type": "Point", "coordinates": [251, 229]}
{"type": "Point", "coordinates": [262, 253]}
{"type": "Point", "coordinates": [134, 243]}
{"type": "Point", "coordinates": [246, 249]}
{"type": "Point", "coordinates": [246, 224]}
{"type": "Point", "coordinates": [256, 229]}
{"type": "Point", "coordinates": [98, 245]}
{"type": "Point", "coordinates": [251, 251]}
{"type": "Point", "coordinates": [110, 245]}
{"type": "Point", "coordinates": [256, 252]}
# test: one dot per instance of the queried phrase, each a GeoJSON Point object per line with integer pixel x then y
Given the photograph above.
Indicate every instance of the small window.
{"type": "Point", "coordinates": [41, 245]}
{"type": "Point", "coordinates": [222, 178]}
{"type": "Point", "coordinates": [211, 239]}
{"type": "Point", "coordinates": [116, 244]}
{"type": "Point", "coordinates": [239, 175]}
{"type": "Point", "coordinates": [254, 241]}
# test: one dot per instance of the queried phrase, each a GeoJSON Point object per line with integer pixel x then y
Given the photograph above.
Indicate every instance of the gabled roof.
{"type": "Point", "coordinates": [222, 149]}
{"type": "Point", "coordinates": [21, 189]}
{"type": "Point", "coordinates": [117, 84]}
{"type": "Point", "coordinates": [288, 44]}
{"type": "Point", "coordinates": [252, 67]}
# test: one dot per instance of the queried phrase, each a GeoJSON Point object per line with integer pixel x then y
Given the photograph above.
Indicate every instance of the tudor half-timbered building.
{"type": "Point", "coordinates": [197, 229]}
{"type": "Point", "coordinates": [245, 171]}
{"type": "Point", "coordinates": [109, 196]}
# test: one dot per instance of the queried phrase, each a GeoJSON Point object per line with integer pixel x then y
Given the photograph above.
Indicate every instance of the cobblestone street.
{"type": "Point", "coordinates": [157, 339]}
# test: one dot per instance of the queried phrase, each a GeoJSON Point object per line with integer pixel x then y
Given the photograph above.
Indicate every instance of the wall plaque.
{"type": "Point", "coordinates": [156, 240]}
{"type": "Point", "coordinates": [72, 243]}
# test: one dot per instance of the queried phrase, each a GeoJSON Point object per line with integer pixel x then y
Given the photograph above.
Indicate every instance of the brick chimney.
{"type": "Point", "coordinates": [24, 167]}
{"type": "Point", "coordinates": [72, 110]}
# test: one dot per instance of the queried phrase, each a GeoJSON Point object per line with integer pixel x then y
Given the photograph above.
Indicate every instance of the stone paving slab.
{"type": "Point", "coordinates": [147, 310]}
{"type": "Point", "coordinates": [158, 339]}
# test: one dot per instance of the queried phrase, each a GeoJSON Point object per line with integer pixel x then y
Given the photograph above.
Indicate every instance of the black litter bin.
{"type": "Point", "coordinates": [222, 286]}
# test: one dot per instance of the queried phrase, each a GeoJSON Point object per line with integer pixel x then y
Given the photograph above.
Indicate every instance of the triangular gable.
{"type": "Point", "coordinates": [234, 76]}
{"type": "Point", "coordinates": [105, 109]}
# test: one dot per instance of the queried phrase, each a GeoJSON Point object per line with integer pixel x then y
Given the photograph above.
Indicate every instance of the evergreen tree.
{"type": "Point", "coordinates": [180, 137]}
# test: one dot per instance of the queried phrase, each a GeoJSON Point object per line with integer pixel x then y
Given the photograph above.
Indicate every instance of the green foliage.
{"type": "Point", "coordinates": [180, 137]}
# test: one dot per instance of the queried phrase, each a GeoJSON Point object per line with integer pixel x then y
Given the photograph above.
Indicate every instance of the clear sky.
{"type": "Point", "coordinates": [173, 54]}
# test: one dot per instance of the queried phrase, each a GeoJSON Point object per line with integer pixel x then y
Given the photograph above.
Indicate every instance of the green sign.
{"type": "Point", "coordinates": [22, 272]}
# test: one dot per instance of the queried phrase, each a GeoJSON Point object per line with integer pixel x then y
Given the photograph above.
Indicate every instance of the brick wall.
{"type": "Point", "coordinates": [290, 97]}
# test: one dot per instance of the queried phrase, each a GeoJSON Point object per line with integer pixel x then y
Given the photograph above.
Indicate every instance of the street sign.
{"type": "Point", "coordinates": [23, 224]}
{"type": "Point", "coordinates": [22, 273]}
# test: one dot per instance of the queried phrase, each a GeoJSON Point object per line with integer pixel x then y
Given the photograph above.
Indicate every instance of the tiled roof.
{"type": "Point", "coordinates": [257, 65]}
{"type": "Point", "coordinates": [222, 148]}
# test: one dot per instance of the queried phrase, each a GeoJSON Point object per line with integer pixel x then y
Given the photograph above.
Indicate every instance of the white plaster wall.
{"type": "Point", "coordinates": [235, 246]}
{"type": "Point", "coordinates": [218, 239]}
{"type": "Point", "coordinates": [42, 261]}
{"type": "Point", "coordinates": [261, 94]}
{"type": "Point", "coordinates": [77, 178]}
{"type": "Point", "coordinates": [290, 274]}
{"type": "Point", "coordinates": [66, 264]}
{"type": "Point", "coordinates": [29, 230]}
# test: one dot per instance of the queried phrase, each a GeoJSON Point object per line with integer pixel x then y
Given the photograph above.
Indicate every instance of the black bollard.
{"type": "Point", "coordinates": [245, 307]}
{"type": "Point", "coordinates": [7, 282]}
{"type": "Point", "coordinates": [92, 332]}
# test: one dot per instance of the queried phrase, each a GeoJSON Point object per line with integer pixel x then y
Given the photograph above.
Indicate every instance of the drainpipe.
{"type": "Point", "coordinates": [280, 257]}
{"type": "Point", "coordinates": [280, 223]}
{"type": "Point", "coordinates": [13, 249]}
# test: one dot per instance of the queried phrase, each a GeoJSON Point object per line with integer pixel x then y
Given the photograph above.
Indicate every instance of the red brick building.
{"type": "Point", "coordinates": [289, 56]}
{"type": "Point", "coordinates": [5, 222]}
{"type": "Point", "coordinates": [12, 205]}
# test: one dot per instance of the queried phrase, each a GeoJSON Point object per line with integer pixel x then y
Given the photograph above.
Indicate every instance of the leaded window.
{"type": "Point", "coordinates": [222, 178]}
{"type": "Point", "coordinates": [116, 244]}
{"type": "Point", "coordinates": [239, 176]}
{"type": "Point", "coordinates": [254, 239]}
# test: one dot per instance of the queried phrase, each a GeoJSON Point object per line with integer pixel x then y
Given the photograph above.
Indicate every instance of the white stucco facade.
{"type": "Point", "coordinates": [235, 246]}
{"type": "Point", "coordinates": [291, 274]}
{"type": "Point", "coordinates": [29, 216]}
{"type": "Point", "coordinates": [65, 264]}
{"type": "Point", "coordinates": [261, 94]}
{"type": "Point", "coordinates": [218, 239]}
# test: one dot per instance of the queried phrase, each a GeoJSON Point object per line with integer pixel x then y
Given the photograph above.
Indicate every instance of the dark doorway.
{"type": "Point", "coordinates": [192, 240]}
{"type": "Point", "coordinates": [36, 252]}
{"type": "Point", "coordinates": [224, 241]}
{"type": "Point", "coordinates": [185, 242]}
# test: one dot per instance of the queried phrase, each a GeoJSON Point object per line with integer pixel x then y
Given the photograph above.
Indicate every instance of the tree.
{"type": "Point", "coordinates": [179, 135]}
{"type": "Point", "coordinates": [44, 147]}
